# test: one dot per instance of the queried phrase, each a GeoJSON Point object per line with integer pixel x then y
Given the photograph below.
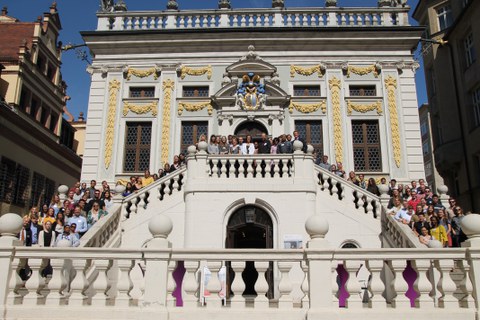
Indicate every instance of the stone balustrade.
{"type": "Point", "coordinates": [253, 18]}
{"type": "Point", "coordinates": [120, 283]}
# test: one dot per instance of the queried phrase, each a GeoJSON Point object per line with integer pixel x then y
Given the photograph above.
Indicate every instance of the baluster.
{"type": "Point", "coordinates": [289, 19]}
{"type": "Point", "coordinates": [423, 286]}
{"type": "Point", "coordinates": [189, 21]}
{"type": "Point", "coordinates": [261, 286]}
{"type": "Point", "coordinates": [304, 20]}
{"type": "Point", "coordinates": [352, 285]}
{"type": "Point", "coordinates": [136, 21]}
{"type": "Point", "coordinates": [343, 20]}
{"type": "Point", "coordinates": [291, 169]}
{"type": "Point", "coordinates": [34, 284]}
{"type": "Point", "coordinates": [133, 207]}
{"type": "Point", "coordinates": [238, 286]}
{"type": "Point", "coordinates": [297, 19]}
{"type": "Point", "coordinates": [351, 19]}
{"type": "Point", "coordinates": [101, 285]}
{"type": "Point", "coordinates": [400, 286]}
{"type": "Point", "coordinates": [167, 189]}
{"type": "Point", "coordinates": [276, 168]}
{"type": "Point", "coordinates": [57, 284]}
{"type": "Point", "coordinates": [223, 168]}
{"type": "Point", "coordinates": [182, 22]}
{"type": "Point", "coordinates": [171, 285]}
{"type": "Point", "coordinates": [141, 203]}
{"type": "Point", "coordinates": [334, 188]}
{"type": "Point", "coordinates": [368, 20]}
{"type": "Point", "coordinates": [243, 21]}
{"type": "Point", "coordinates": [175, 182]}
{"type": "Point", "coordinates": [79, 283]}
{"type": "Point", "coordinates": [235, 20]}
{"type": "Point", "coordinates": [250, 168]}
{"type": "Point", "coordinates": [214, 286]}
{"type": "Point", "coordinates": [446, 285]}
{"type": "Point", "coordinates": [335, 289]}
{"type": "Point", "coordinates": [126, 214]}
{"type": "Point", "coordinates": [285, 285]}
{"type": "Point", "coordinates": [376, 285]}
{"type": "Point", "coordinates": [15, 281]}
{"type": "Point", "coordinates": [305, 287]}
{"type": "Point", "coordinates": [190, 284]}
{"type": "Point", "coordinates": [241, 168]}
{"type": "Point", "coordinates": [124, 285]}
{"type": "Point", "coordinates": [144, 23]}
{"type": "Point", "coordinates": [369, 206]}
{"type": "Point", "coordinates": [129, 22]}
{"type": "Point", "coordinates": [466, 286]}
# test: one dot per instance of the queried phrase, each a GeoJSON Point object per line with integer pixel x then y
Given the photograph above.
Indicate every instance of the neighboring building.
{"type": "Point", "coordinates": [453, 85]}
{"type": "Point", "coordinates": [344, 78]}
{"type": "Point", "coordinates": [35, 140]}
{"type": "Point", "coordinates": [80, 126]}
{"type": "Point", "coordinates": [432, 176]}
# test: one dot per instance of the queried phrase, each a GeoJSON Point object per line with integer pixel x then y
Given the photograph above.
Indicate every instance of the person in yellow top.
{"type": "Point", "coordinates": [438, 232]}
{"type": "Point", "coordinates": [147, 179]}
{"type": "Point", "coordinates": [50, 216]}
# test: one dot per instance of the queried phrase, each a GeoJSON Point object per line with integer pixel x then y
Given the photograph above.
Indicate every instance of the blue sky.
{"type": "Point", "coordinates": [79, 16]}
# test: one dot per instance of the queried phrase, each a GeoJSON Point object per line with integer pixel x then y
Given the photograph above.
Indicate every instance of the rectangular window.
{"type": "Point", "coordinates": [138, 138]}
{"type": "Point", "coordinates": [53, 122]}
{"type": "Point", "coordinates": [44, 115]}
{"type": "Point", "coordinates": [476, 107]}
{"type": "Point", "coordinates": [49, 190]}
{"type": "Point", "coordinates": [363, 91]}
{"type": "Point", "coordinates": [24, 99]}
{"type": "Point", "coordinates": [312, 132]}
{"type": "Point", "coordinates": [195, 91]}
{"type": "Point", "coordinates": [445, 17]}
{"type": "Point", "coordinates": [426, 147]}
{"type": "Point", "coordinates": [14, 180]}
{"type": "Point", "coordinates": [423, 128]}
{"type": "Point", "coordinates": [22, 178]}
{"type": "Point", "coordinates": [469, 47]}
{"type": "Point", "coordinates": [306, 91]}
{"type": "Point", "coordinates": [37, 192]}
{"type": "Point", "coordinates": [51, 73]}
{"type": "Point", "coordinates": [35, 104]}
{"type": "Point", "coordinates": [142, 92]}
{"type": "Point", "coordinates": [191, 132]}
{"type": "Point", "coordinates": [367, 155]}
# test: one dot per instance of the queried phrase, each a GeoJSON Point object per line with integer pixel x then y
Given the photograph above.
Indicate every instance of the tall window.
{"type": "Point", "coordinates": [476, 107]}
{"type": "Point", "coordinates": [469, 47]}
{"type": "Point", "coordinates": [138, 138]}
{"type": "Point", "coordinates": [312, 132]}
{"type": "Point", "coordinates": [445, 18]}
{"type": "Point", "coordinates": [306, 91]}
{"type": "Point", "coordinates": [14, 180]}
{"type": "Point", "coordinates": [191, 132]}
{"type": "Point", "coordinates": [361, 91]}
{"type": "Point", "coordinates": [367, 155]}
{"type": "Point", "coordinates": [37, 192]}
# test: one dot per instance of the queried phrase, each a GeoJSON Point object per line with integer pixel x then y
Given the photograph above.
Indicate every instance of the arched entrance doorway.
{"type": "Point", "coordinates": [250, 227]}
{"type": "Point", "coordinates": [253, 128]}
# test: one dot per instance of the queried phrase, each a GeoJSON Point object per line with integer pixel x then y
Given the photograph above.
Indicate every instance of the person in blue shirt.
{"type": "Point", "coordinates": [79, 220]}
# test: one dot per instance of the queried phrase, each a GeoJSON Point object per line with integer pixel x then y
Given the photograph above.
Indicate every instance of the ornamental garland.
{"type": "Point", "coordinates": [335, 90]}
{"type": "Point", "coordinates": [308, 108]}
{"type": "Point", "coordinates": [306, 71]}
{"type": "Point", "coordinates": [192, 107]}
{"type": "Point", "coordinates": [113, 89]}
{"type": "Point", "coordinates": [362, 71]}
{"type": "Point", "coordinates": [364, 108]}
{"type": "Point", "coordinates": [391, 85]}
{"type": "Point", "coordinates": [142, 73]}
{"type": "Point", "coordinates": [140, 109]}
{"type": "Point", "coordinates": [168, 86]}
{"type": "Point", "coordinates": [196, 72]}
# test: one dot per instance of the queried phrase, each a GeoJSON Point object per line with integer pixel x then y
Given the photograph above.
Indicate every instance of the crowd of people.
{"type": "Point", "coordinates": [68, 220]}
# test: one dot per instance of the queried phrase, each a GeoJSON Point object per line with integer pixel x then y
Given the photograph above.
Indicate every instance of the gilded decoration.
{"type": "Point", "coordinates": [305, 71]}
{"type": "Point", "coordinates": [194, 107]}
{"type": "Point", "coordinates": [196, 71]}
{"type": "Point", "coordinates": [250, 94]}
{"type": "Point", "coordinates": [364, 108]}
{"type": "Point", "coordinates": [140, 109]}
{"type": "Point", "coordinates": [335, 90]}
{"type": "Point", "coordinates": [168, 86]}
{"type": "Point", "coordinates": [113, 89]}
{"type": "Point", "coordinates": [308, 108]}
{"type": "Point", "coordinates": [391, 85]}
{"type": "Point", "coordinates": [362, 71]}
{"type": "Point", "coordinates": [142, 73]}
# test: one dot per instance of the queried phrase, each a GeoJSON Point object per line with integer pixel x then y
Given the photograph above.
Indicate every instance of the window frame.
{"type": "Point", "coordinates": [137, 146]}
{"type": "Point", "coordinates": [469, 49]}
{"type": "Point", "coordinates": [318, 147]}
{"type": "Point", "coordinates": [142, 90]}
{"type": "Point", "coordinates": [476, 107]}
{"type": "Point", "coordinates": [365, 145]}
{"type": "Point", "coordinates": [195, 133]}
{"type": "Point", "coordinates": [307, 87]}
{"type": "Point", "coordinates": [364, 87]}
{"type": "Point", "coordinates": [198, 88]}
{"type": "Point", "coordinates": [444, 17]}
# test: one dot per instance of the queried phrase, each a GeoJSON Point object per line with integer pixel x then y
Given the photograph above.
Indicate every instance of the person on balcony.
{"type": "Point", "coordinates": [424, 237]}
{"type": "Point", "coordinates": [284, 146]}
{"type": "Point", "coordinates": [46, 237]}
{"type": "Point", "coordinates": [248, 148]}
{"type": "Point", "coordinates": [236, 148]}
{"type": "Point", "coordinates": [264, 147]}
{"type": "Point", "coordinates": [296, 137]}
{"type": "Point", "coordinates": [80, 221]}
{"type": "Point", "coordinates": [94, 215]}
{"type": "Point", "coordinates": [212, 147]}
{"type": "Point", "coordinates": [74, 242]}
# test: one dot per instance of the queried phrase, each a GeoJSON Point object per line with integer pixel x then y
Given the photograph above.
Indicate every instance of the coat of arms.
{"type": "Point", "coordinates": [251, 93]}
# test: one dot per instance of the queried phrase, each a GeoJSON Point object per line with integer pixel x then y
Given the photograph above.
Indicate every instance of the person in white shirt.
{"type": "Point", "coordinates": [248, 148]}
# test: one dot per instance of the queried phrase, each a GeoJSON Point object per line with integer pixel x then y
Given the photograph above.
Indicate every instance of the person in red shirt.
{"type": "Point", "coordinates": [415, 200]}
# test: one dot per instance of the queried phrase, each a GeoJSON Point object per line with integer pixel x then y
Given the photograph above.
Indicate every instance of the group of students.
{"type": "Point", "coordinates": [69, 219]}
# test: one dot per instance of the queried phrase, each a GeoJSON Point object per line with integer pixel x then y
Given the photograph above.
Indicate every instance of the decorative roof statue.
{"type": "Point", "coordinates": [278, 3]}
{"type": "Point", "coordinates": [106, 5]}
{"type": "Point", "coordinates": [120, 6]}
{"type": "Point", "coordinates": [251, 93]}
{"type": "Point", "coordinates": [224, 4]}
{"type": "Point", "coordinates": [330, 3]}
{"type": "Point", "coordinates": [251, 55]}
{"type": "Point", "coordinates": [172, 5]}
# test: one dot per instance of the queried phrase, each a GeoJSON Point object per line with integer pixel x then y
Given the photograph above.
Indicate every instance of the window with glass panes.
{"type": "Point", "coordinates": [142, 92]}
{"type": "Point", "coordinates": [191, 132]}
{"type": "Point", "coordinates": [363, 90]}
{"type": "Point", "coordinates": [367, 155]}
{"type": "Point", "coordinates": [445, 18]}
{"type": "Point", "coordinates": [138, 138]}
{"type": "Point", "coordinates": [195, 91]}
{"type": "Point", "coordinates": [14, 179]}
{"type": "Point", "coordinates": [311, 131]}
{"type": "Point", "coordinates": [37, 190]}
{"type": "Point", "coordinates": [306, 91]}
{"type": "Point", "coordinates": [476, 107]}
{"type": "Point", "coordinates": [470, 54]}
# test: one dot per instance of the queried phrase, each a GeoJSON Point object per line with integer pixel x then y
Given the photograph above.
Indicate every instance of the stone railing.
{"type": "Point", "coordinates": [316, 282]}
{"type": "Point", "coordinates": [253, 18]}
{"type": "Point", "coordinates": [161, 188]}
{"type": "Point", "coordinates": [106, 232]}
